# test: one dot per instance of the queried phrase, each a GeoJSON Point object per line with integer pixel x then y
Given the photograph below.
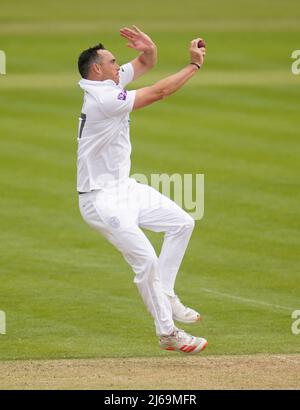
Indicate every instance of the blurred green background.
{"type": "Point", "coordinates": [66, 292]}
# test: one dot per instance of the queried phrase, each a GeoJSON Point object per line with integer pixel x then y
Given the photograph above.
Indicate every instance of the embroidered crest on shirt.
{"type": "Point", "coordinates": [122, 95]}
{"type": "Point", "coordinates": [114, 222]}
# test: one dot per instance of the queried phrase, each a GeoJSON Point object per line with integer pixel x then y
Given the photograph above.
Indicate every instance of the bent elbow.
{"type": "Point", "coordinates": [162, 94]}
{"type": "Point", "coordinates": [158, 95]}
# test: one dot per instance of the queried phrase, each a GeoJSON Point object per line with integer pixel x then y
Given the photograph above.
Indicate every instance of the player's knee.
{"type": "Point", "coordinates": [187, 223]}
{"type": "Point", "coordinates": [147, 269]}
{"type": "Point", "coordinates": [146, 263]}
{"type": "Point", "coordinates": [151, 264]}
{"type": "Point", "coordinates": [184, 225]}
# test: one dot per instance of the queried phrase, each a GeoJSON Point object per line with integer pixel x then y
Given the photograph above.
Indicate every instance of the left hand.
{"type": "Point", "coordinates": [137, 39]}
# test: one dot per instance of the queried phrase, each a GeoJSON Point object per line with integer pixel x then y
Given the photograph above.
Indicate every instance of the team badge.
{"type": "Point", "coordinates": [122, 95]}
{"type": "Point", "coordinates": [114, 222]}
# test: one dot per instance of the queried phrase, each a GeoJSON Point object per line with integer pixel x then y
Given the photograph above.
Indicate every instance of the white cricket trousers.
{"type": "Point", "coordinates": [119, 213]}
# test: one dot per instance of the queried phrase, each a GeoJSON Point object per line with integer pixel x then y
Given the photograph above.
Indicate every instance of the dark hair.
{"type": "Point", "coordinates": [87, 58]}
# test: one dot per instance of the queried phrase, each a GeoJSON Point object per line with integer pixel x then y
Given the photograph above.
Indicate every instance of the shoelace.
{"type": "Point", "coordinates": [181, 334]}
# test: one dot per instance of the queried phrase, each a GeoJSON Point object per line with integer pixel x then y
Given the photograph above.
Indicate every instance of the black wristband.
{"type": "Point", "coordinates": [197, 65]}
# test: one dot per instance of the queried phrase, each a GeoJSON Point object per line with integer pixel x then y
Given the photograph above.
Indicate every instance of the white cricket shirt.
{"type": "Point", "coordinates": [103, 136]}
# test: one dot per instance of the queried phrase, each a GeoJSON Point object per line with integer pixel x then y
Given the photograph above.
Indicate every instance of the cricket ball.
{"type": "Point", "coordinates": [201, 43]}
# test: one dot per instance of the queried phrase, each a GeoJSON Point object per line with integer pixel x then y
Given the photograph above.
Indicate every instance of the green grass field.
{"type": "Point", "coordinates": [66, 292]}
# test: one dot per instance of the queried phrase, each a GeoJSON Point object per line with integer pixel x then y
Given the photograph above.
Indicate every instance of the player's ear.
{"type": "Point", "coordinates": [96, 68]}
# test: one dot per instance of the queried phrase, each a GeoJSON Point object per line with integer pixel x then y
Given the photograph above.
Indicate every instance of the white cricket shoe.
{"type": "Point", "coordinates": [182, 313]}
{"type": "Point", "coordinates": [181, 341]}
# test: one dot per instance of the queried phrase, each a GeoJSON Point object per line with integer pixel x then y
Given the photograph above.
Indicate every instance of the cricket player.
{"type": "Point", "coordinates": [116, 205]}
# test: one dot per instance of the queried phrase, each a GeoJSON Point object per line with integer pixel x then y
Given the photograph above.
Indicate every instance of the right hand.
{"type": "Point", "coordinates": [197, 54]}
{"type": "Point", "coordinates": [137, 39]}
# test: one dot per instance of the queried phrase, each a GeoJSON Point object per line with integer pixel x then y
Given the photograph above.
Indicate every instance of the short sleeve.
{"type": "Point", "coordinates": [126, 74]}
{"type": "Point", "coordinates": [117, 102]}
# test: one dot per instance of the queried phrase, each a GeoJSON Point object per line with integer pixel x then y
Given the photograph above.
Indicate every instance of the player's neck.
{"type": "Point", "coordinates": [95, 77]}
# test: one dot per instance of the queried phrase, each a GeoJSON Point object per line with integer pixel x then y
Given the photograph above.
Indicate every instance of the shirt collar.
{"type": "Point", "coordinates": [93, 83]}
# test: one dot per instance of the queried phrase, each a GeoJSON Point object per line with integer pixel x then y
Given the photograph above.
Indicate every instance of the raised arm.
{"type": "Point", "coordinates": [169, 85]}
{"type": "Point", "coordinates": [141, 42]}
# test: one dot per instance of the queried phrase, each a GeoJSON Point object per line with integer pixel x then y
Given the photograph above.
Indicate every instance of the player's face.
{"type": "Point", "coordinates": [109, 66]}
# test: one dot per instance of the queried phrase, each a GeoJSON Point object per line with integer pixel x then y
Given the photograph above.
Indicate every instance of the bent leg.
{"type": "Point", "coordinates": [160, 214]}
{"type": "Point", "coordinates": [136, 249]}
